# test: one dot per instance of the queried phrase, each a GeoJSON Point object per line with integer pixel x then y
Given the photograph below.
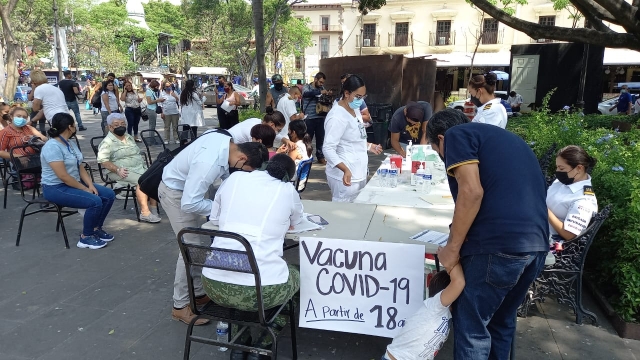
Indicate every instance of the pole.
{"type": "Point", "coordinates": [583, 78]}
{"type": "Point", "coordinates": [56, 29]}
{"type": "Point", "coordinates": [361, 33]}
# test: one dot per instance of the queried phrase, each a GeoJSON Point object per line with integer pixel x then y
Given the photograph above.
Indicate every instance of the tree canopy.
{"type": "Point", "coordinates": [599, 15]}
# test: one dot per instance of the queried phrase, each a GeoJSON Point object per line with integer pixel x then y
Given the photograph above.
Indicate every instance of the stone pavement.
{"type": "Point", "coordinates": [115, 303]}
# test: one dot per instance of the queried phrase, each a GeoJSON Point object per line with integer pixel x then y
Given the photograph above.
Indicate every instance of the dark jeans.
{"type": "Point", "coordinates": [97, 206]}
{"type": "Point", "coordinates": [73, 106]}
{"type": "Point", "coordinates": [485, 313]}
{"type": "Point", "coordinates": [315, 127]}
{"type": "Point", "coordinates": [133, 116]}
{"type": "Point", "coordinates": [103, 124]}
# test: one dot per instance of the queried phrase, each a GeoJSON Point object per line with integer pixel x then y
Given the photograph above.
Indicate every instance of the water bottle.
{"type": "Point", "coordinates": [222, 330]}
{"type": "Point", "coordinates": [420, 176]}
{"type": "Point", "coordinates": [428, 177]}
{"type": "Point", "coordinates": [383, 173]}
{"type": "Point", "coordinates": [393, 176]}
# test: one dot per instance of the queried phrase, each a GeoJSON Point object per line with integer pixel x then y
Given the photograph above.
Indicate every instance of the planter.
{"type": "Point", "coordinates": [624, 329]}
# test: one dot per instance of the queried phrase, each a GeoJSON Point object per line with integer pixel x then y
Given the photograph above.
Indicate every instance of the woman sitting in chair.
{"type": "Point", "coordinates": [260, 206]}
{"type": "Point", "coordinates": [17, 133]}
{"type": "Point", "coordinates": [120, 154]}
{"type": "Point", "coordinates": [571, 199]}
{"type": "Point", "coordinates": [66, 183]}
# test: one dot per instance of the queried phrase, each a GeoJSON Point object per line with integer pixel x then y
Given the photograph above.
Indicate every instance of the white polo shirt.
{"type": "Point", "coordinates": [492, 113]}
{"type": "Point", "coordinates": [573, 204]}
{"type": "Point", "coordinates": [260, 208]}
{"type": "Point", "coordinates": [53, 101]}
{"type": "Point", "coordinates": [241, 132]}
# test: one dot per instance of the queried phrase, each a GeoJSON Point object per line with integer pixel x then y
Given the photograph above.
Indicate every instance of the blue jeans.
{"type": "Point", "coordinates": [484, 315]}
{"type": "Point", "coordinates": [73, 106]}
{"type": "Point", "coordinates": [133, 119]}
{"type": "Point", "coordinates": [97, 206]}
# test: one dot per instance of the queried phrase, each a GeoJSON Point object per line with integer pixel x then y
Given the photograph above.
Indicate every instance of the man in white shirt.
{"type": "Point", "coordinates": [182, 192]}
{"type": "Point", "coordinates": [46, 97]}
{"type": "Point", "coordinates": [515, 100]}
{"type": "Point", "coordinates": [287, 106]}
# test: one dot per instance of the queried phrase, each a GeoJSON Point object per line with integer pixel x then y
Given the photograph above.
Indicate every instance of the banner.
{"type": "Point", "coordinates": [359, 287]}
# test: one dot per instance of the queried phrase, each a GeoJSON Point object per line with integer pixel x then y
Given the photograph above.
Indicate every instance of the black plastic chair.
{"type": "Point", "coordinates": [302, 174]}
{"type": "Point", "coordinates": [243, 262]}
{"type": "Point", "coordinates": [11, 177]}
{"type": "Point", "coordinates": [30, 165]}
{"type": "Point", "coordinates": [151, 138]}
{"type": "Point", "coordinates": [130, 191]}
{"type": "Point", "coordinates": [564, 278]}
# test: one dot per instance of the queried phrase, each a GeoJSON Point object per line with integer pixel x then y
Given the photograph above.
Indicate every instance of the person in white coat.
{"type": "Point", "coordinates": [490, 110]}
{"type": "Point", "coordinates": [345, 143]}
{"type": "Point", "coordinates": [191, 103]}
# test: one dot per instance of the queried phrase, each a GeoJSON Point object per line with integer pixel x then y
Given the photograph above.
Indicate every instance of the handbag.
{"type": "Point", "coordinates": [150, 180]}
{"type": "Point", "coordinates": [143, 114]}
{"type": "Point", "coordinates": [87, 105]}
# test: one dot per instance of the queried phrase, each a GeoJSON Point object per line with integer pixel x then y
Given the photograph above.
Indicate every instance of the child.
{"type": "Point", "coordinates": [426, 331]}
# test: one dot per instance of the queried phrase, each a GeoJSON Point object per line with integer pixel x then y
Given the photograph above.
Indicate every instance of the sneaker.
{"type": "Point", "coordinates": [103, 235]}
{"type": "Point", "coordinates": [91, 242]}
{"type": "Point", "coordinates": [82, 128]}
{"type": "Point", "coordinates": [166, 142]}
{"type": "Point", "coordinates": [177, 142]}
{"type": "Point", "coordinates": [119, 196]}
{"type": "Point", "coordinates": [151, 218]}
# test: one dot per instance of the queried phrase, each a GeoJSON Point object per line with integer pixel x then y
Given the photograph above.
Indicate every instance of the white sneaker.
{"type": "Point", "coordinates": [121, 197]}
{"type": "Point", "coordinates": [166, 142]}
{"type": "Point", "coordinates": [177, 141]}
{"type": "Point", "coordinates": [151, 218]}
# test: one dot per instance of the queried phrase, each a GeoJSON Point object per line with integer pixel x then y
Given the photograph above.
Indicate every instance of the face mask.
{"type": "Point", "coordinates": [168, 88]}
{"type": "Point", "coordinates": [476, 101]}
{"type": "Point", "coordinates": [563, 177]}
{"type": "Point", "coordinates": [235, 168]}
{"type": "Point", "coordinates": [120, 130]}
{"type": "Point", "coordinates": [277, 86]}
{"type": "Point", "coordinates": [623, 91]}
{"type": "Point", "coordinates": [221, 83]}
{"type": "Point", "coordinates": [356, 103]}
{"type": "Point", "coordinates": [19, 122]}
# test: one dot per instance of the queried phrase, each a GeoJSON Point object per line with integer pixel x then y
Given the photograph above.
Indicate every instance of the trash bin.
{"type": "Point", "coordinates": [380, 117]}
{"type": "Point", "coordinates": [380, 133]}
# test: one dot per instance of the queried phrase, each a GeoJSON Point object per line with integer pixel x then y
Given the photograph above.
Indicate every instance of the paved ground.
{"type": "Point", "coordinates": [115, 303]}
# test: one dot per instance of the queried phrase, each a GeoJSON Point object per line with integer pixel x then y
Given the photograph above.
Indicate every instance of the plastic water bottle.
{"type": "Point", "coordinates": [427, 179]}
{"type": "Point", "coordinates": [383, 173]}
{"type": "Point", "coordinates": [222, 330]}
{"type": "Point", "coordinates": [393, 176]}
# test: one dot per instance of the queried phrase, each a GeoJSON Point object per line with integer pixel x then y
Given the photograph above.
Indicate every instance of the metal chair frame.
{"type": "Point", "coordinates": [185, 135]}
{"type": "Point", "coordinates": [33, 167]}
{"type": "Point", "coordinates": [197, 256]}
{"type": "Point", "coordinates": [146, 141]}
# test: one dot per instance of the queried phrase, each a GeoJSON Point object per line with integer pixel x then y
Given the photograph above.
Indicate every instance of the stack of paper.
{"type": "Point", "coordinates": [307, 225]}
{"type": "Point", "coordinates": [432, 237]}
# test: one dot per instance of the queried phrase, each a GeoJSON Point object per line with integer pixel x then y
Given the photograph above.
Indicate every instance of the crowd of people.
{"type": "Point", "coordinates": [504, 225]}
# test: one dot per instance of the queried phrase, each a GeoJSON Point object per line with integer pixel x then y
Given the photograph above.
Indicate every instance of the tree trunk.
{"type": "Point", "coordinates": [258, 23]}
{"type": "Point", "coordinates": [3, 81]}
{"type": "Point", "coordinates": [12, 51]}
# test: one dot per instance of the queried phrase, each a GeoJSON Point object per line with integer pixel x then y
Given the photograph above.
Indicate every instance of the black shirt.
{"type": "Point", "coordinates": [67, 86]}
{"type": "Point", "coordinates": [399, 124]}
{"type": "Point", "coordinates": [513, 214]}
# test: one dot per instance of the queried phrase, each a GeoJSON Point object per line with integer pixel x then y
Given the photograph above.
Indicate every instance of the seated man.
{"type": "Point", "coordinates": [409, 123]}
{"type": "Point", "coordinates": [17, 133]}
{"type": "Point", "coordinates": [120, 154]}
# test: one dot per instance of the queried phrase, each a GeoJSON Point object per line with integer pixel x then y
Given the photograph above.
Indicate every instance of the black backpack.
{"type": "Point", "coordinates": [149, 182]}
{"type": "Point", "coordinates": [96, 99]}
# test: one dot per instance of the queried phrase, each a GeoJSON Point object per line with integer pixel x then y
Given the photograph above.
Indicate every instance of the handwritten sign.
{"type": "Point", "coordinates": [359, 287]}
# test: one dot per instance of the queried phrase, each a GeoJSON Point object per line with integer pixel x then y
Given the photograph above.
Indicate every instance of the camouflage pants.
{"type": "Point", "coordinates": [244, 298]}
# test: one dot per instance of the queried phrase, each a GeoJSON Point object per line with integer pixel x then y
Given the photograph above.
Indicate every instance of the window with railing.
{"type": "Point", "coordinates": [402, 34]}
{"type": "Point", "coordinates": [324, 48]}
{"type": "Point", "coordinates": [489, 31]}
{"type": "Point", "coordinates": [369, 35]}
{"type": "Point", "coordinates": [443, 32]}
{"type": "Point", "coordinates": [324, 23]}
{"type": "Point", "coordinates": [299, 63]}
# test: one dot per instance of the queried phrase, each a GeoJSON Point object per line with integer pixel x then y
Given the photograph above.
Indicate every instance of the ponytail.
{"type": "Point", "coordinates": [59, 124]}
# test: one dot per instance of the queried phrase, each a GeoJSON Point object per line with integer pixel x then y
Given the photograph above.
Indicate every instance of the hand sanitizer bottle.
{"type": "Point", "coordinates": [409, 151]}
{"type": "Point", "coordinates": [420, 176]}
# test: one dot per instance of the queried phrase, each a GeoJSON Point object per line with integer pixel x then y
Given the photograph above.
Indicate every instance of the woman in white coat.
{"type": "Point", "coordinates": [191, 103]}
{"type": "Point", "coordinates": [345, 143]}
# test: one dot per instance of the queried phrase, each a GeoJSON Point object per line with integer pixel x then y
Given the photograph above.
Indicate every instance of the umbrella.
{"type": "Point", "coordinates": [501, 75]}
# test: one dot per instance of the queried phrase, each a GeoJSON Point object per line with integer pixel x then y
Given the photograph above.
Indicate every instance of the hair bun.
{"type": "Point", "coordinates": [269, 110]}
{"type": "Point", "coordinates": [490, 78]}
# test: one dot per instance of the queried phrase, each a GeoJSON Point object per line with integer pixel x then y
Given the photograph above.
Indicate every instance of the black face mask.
{"type": "Point", "coordinates": [277, 86]}
{"type": "Point", "coordinates": [235, 168]}
{"type": "Point", "coordinates": [476, 101]}
{"type": "Point", "coordinates": [563, 177]}
{"type": "Point", "coordinates": [221, 83]}
{"type": "Point", "coordinates": [120, 130]}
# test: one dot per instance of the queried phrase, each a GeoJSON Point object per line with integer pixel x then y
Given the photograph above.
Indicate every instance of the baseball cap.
{"type": "Point", "coordinates": [415, 111]}
{"type": "Point", "coordinates": [276, 77]}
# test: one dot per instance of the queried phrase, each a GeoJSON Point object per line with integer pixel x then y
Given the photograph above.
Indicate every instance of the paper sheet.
{"type": "Point", "coordinates": [306, 225]}
{"type": "Point", "coordinates": [437, 199]}
{"type": "Point", "coordinates": [432, 237]}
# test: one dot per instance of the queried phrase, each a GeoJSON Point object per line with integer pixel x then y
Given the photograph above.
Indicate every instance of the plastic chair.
{"type": "Point", "coordinates": [236, 261]}
{"type": "Point", "coordinates": [11, 177]}
{"type": "Point", "coordinates": [30, 165]}
{"type": "Point", "coordinates": [302, 174]}
{"type": "Point", "coordinates": [130, 191]}
{"type": "Point", "coordinates": [152, 138]}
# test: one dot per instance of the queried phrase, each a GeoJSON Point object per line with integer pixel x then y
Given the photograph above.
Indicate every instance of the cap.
{"type": "Point", "coordinates": [276, 77]}
{"type": "Point", "coordinates": [414, 111]}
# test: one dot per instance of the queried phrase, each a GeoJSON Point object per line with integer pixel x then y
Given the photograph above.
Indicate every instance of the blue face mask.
{"type": "Point", "coordinates": [356, 103]}
{"type": "Point", "coordinates": [19, 122]}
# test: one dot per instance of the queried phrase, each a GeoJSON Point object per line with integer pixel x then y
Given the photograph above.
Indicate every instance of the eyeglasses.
{"type": "Point", "coordinates": [360, 97]}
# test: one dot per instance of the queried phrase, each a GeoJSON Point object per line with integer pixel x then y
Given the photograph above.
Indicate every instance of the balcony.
{"type": "Point", "coordinates": [368, 41]}
{"type": "Point", "coordinates": [396, 40]}
{"type": "Point", "coordinates": [324, 54]}
{"type": "Point", "coordinates": [491, 37]}
{"type": "Point", "coordinates": [442, 38]}
{"type": "Point", "coordinates": [326, 28]}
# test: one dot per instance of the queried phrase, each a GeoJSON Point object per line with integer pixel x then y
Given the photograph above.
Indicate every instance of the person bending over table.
{"type": "Point", "coordinates": [571, 199]}
{"type": "Point", "coordinates": [65, 182]}
{"type": "Point", "coordinates": [345, 143]}
{"type": "Point", "coordinates": [241, 132]}
{"type": "Point", "coordinates": [17, 133]}
{"type": "Point", "coordinates": [261, 206]}
{"type": "Point", "coordinates": [119, 153]}
{"type": "Point", "coordinates": [409, 123]}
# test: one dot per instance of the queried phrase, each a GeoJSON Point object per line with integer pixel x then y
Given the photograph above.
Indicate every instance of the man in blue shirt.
{"type": "Point", "coordinates": [499, 232]}
{"type": "Point", "coordinates": [624, 103]}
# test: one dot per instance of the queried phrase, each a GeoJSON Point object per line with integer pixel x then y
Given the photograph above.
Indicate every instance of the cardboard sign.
{"type": "Point", "coordinates": [359, 287]}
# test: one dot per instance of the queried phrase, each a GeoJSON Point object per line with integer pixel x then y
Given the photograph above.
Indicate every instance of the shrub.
{"type": "Point", "coordinates": [248, 113]}
{"type": "Point", "coordinates": [614, 258]}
